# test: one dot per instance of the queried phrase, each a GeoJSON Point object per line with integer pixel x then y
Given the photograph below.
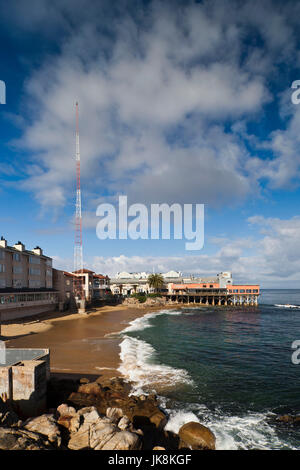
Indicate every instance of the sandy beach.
{"type": "Point", "coordinates": [79, 344]}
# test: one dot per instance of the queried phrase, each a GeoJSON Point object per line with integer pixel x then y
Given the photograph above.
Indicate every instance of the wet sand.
{"type": "Point", "coordinates": [78, 344]}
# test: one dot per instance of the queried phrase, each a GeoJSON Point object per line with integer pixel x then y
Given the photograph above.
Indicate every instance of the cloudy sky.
{"type": "Point", "coordinates": [180, 102]}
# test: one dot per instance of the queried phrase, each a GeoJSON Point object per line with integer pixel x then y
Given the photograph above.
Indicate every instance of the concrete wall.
{"type": "Point", "coordinates": [29, 388]}
{"type": "Point", "coordinates": [24, 385]}
{"type": "Point", "coordinates": [23, 312]}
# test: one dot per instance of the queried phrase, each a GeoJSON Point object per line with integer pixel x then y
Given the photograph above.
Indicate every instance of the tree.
{"type": "Point", "coordinates": [156, 281]}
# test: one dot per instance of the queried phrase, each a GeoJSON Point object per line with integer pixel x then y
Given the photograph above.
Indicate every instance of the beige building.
{"type": "Point", "coordinates": [26, 281]}
{"type": "Point", "coordinates": [21, 268]}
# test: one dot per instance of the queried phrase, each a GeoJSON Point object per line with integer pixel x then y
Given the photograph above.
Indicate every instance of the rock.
{"type": "Point", "coordinates": [90, 414]}
{"type": "Point", "coordinates": [21, 439]}
{"type": "Point", "coordinates": [93, 388]}
{"type": "Point", "coordinates": [79, 440]}
{"type": "Point", "coordinates": [100, 434]}
{"type": "Point", "coordinates": [289, 419]}
{"type": "Point", "coordinates": [68, 418]}
{"type": "Point", "coordinates": [45, 425]}
{"type": "Point", "coordinates": [159, 419]}
{"type": "Point", "coordinates": [7, 416]}
{"type": "Point", "coordinates": [197, 437]}
{"type": "Point", "coordinates": [65, 410]}
{"type": "Point", "coordinates": [84, 380]}
{"type": "Point", "coordinates": [89, 429]}
{"type": "Point", "coordinates": [114, 414]}
{"type": "Point", "coordinates": [123, 440]}
{"type": "Point", "coordinates": [124, 423]}
{"type": "Point", "coordinates": [158, 448]}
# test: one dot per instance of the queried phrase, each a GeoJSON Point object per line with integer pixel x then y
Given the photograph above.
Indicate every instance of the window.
{"type": "Point", "coordinates": [204, 285]}
{"type": "Point", "coordinates": [49, 262]}
{"type": "Point", "coordinates": [248, 291]}
{"type": "Point", "coordinates": [211, 286]}
{"type": "Point", "coordinates": [34, 284]}
{"type": "Point", "coordinates": [49, 272]}
{"type": "Point", "coordinates": [17, 283]}
{"type": "Point", "coordinates": [34, 260]}
{"type": "Point", "coordinates": [2, 283]}
{"type": "Point", "coordinates": [16, 257]}
{"type": "Point", "coordinates": [235, 291]}
{"type": "Point", "coordinates": [242, 291]}
{"type": "Point", "coordinates": [255, 291]}
{"type": "Point", "coordinates": [17, 269]}
{"type": "Point", "coordinates": [2, 268]}
{"type": "Point", "coordinates": [34, 271]}
{"type": "Point", "coordinates": [2, 254]}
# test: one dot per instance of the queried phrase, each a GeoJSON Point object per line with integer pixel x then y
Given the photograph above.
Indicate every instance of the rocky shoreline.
{"type": "Point", "coordinates": [100, 415]}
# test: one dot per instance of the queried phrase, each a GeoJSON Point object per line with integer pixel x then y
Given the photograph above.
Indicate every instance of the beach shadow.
{"type": "Point", "coordinates": [8, 338]}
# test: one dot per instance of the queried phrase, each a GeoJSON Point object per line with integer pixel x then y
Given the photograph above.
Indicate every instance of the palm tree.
{"type": "Point", "coordinates": [156, 281]}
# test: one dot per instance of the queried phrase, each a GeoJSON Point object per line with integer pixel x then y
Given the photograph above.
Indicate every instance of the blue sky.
{"type": "Point", "coordinates": [180, 102]}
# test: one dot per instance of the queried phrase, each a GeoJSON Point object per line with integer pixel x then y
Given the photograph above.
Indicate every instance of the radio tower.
{"type": "Point", "coordinates": [78, 256]}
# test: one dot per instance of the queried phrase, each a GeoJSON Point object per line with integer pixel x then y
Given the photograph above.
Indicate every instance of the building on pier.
{"type": "Point", "coordinates": [212, 293]}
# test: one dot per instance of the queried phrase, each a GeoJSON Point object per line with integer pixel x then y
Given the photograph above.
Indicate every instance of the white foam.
{"type": "Point", "coordinates": [138, 366]}
{"type": "Point", "coordinates": [251, 431]}
{"type": "Point", "coordinates": [178, 419]}
{"type": "Point", "coordinates": [141, 323]}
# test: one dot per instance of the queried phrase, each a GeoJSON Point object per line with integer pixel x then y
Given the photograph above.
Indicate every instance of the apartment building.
{"type": "Point", "coordinates": [21, 268]}
{"type": "Point", "coordinates": [26, 281]}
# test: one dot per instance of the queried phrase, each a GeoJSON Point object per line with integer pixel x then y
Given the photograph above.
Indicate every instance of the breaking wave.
{"type": "Point", "coordinates": [138, 367]}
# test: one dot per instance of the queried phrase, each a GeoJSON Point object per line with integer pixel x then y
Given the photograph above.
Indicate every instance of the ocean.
{"type": "Point", "coordinates": [228, 368]}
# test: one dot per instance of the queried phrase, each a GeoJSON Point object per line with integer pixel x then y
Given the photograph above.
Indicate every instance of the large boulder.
{"type": "Point", "coordinates": [46, 426]}
{"type": "Point", "coordinates": [101, 433]}
{"type": "Point", "coordinates": [196, 436]}
{"type": "Point", "coordinates": [22, 439]}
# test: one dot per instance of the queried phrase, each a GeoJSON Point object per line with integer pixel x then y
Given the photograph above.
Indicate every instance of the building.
{"type": "Point", "coordinates": [63, 283]}
{"type": "Point", "coordinates": [128, 283]}
{"type": "Point", "coordinates": [26, 281]}
{"type": "Point", "coordinates": [213, 293]}
{"type": "Point", "coordinates": [125, 283]}
{"type": "Point", "coordinates": [95, 286]}
{"type": "Point", "coordinates": [21, 268]}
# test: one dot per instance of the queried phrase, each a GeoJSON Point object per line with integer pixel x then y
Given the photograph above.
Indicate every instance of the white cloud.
{"type": "Point", "coordinates": [149, 93]}
{"type": "Point", "coordinates": [273, 257]}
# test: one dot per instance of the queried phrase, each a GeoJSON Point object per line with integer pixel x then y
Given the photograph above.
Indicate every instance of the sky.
{"type": "Point", "coordinates": [179, 102]}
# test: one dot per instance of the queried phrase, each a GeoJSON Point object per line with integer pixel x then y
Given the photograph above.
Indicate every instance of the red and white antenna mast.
{"type": "Point", "coordinates": [78, 255]}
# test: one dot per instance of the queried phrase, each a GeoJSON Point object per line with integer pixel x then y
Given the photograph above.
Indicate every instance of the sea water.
{"type": "Point", "coordinates": [228, 368]}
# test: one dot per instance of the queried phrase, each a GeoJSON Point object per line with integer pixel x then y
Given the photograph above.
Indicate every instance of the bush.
{"type": "Point", "coordinates": [140, 296]}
